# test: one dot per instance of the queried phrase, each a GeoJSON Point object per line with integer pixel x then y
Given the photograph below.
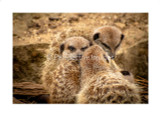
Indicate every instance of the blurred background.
{"type": "Point", "coordinates": [34, 32]}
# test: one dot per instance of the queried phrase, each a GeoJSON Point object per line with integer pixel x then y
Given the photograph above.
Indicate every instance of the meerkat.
{"type": "Point", "coordinates": [100, 83]}
{"type": "Point", "coordinates": [109, 38]}
{"type": "Point", "coordinates": [63, 83]}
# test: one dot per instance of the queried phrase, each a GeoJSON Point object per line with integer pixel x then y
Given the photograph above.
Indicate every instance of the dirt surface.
{"type": "Point", "coordinates": [43, 28]}
{"type": "Point", "coordinates": [33, 33]}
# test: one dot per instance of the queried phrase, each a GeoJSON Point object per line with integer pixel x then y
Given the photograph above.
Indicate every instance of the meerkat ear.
{"type": "Point", "coordinates": [96, 36]}
{"type": "Point", "coordinates": [122, 36]}
{"type": "Point", "coordinates": [61, 48]}
{"type": "Point", "coordinates": [125, 73]}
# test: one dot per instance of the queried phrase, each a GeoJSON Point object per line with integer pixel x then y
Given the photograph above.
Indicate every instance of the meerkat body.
{"type": "Point", "coordinates": [101, 84]}
{"type": "Point", "coordinates": [109, 38]}
{"type": "Point", "coordinates": [63, 82]}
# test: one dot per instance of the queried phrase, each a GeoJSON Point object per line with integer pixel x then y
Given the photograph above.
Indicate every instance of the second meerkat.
{"type": "Point", "coordinates": [109, 38]}
{"type": "Point", "coordinates": [101, 84]}
{"type": "Point", "coordinates": [63, 83]}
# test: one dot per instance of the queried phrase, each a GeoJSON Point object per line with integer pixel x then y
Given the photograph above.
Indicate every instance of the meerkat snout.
{"type": "Point", "coordinates": [79, 56]}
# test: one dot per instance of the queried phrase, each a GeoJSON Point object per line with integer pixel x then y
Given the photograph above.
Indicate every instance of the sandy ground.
{"type": "Point", "coordinates": [43, 28]}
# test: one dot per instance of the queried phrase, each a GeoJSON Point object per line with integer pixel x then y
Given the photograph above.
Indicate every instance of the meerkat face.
{"type": "Point", "coordinates": [73, 48]}
{"type": "Point", "coordinates": [109, 38]}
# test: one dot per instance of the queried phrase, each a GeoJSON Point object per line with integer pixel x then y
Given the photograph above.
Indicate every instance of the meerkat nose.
{"type": "Point", "coordinates": [79, 56]}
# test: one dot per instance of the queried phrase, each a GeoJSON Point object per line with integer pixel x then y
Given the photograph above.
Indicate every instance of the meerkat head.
{"type": "Point", "coordinates": [73, 48]}
{"type": "Point", "coordinates": [94, 58]}
{"type": "Point", "coordinates": [109, 38]}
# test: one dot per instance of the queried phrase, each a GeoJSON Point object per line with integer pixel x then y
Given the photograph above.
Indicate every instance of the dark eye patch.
{"type": "Point", "coordinates": [122, 36]}
{"type": "Point", "coordinates": [84, 48]}
{"type": "Point", "coordinates": [105, 45]}
{"type": "Point", "coordinates": [117, 45]}
{"type": "Point", "coordinates": [96, 36]}
{"type": "Point", "coordinates": [71, 48]}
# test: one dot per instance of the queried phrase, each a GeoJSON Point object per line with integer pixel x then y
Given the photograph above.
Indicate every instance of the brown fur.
{"type": "Point", "coordinates": [63, 81]}
{"type": "Point", "coordinates": [51, 63]}
{"type": "Point", "coordinates": [101, 84]}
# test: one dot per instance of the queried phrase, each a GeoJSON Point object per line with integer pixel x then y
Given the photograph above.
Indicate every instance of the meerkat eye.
{"type": "Point", "coordinates": [84, 48]}
{"type": "Point", "coordinates": [106, 45]}
{"type": "Point", "coordinates": [96, 36]}
{"type": "Point", "coordinates": [71, 48]}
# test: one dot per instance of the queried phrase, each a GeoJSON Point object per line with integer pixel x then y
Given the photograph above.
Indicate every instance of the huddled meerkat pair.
{"type": "Point", "coordinates": [63, 83]}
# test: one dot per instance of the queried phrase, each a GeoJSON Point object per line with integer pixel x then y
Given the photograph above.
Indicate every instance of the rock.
{"type": "Point", "coordinates": [19, 29]}
{"type": "Point", "coordinates": [16, 101]}
{"type": "Point", "coordinates": [27, 62]}
{"type": "Point", "coordinates": [72, 19]}
{"type": "Point", "coordinates": [121, 25]}
{"type": "Point", "coordinates": [135, 59]}
{"type": "Point", "coordinates": [51, 26]}
{"type": "Point", "coordinates": [53, 19]}
{"type": "Point", "coordinates": [28, 88]}
{"type": "Point", "coordinates": [115, 17]}
{"type": "Point", "coordinates": [36, 17]}
{"type": "Point", "coordinates": [80, 14]}
{"type": "Point", "coordinates": [34, 25]}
